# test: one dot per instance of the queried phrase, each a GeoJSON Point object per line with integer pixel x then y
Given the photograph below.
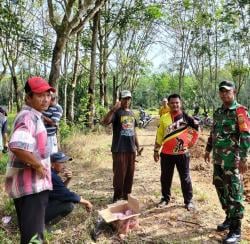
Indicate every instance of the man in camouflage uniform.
{"type": "Point", "coordinates": [230, 141]}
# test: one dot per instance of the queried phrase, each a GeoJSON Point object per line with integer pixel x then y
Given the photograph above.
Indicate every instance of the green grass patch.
{"type": "Point", "coordinates": [3, 163]}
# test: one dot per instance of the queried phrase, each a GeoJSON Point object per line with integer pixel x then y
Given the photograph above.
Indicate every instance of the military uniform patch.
{"type": "Point", "coordinates": [243, 120]}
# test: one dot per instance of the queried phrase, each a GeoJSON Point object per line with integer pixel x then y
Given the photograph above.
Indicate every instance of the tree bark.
{"type": "Point", "coordinates": [56, 58]}
{"type": "Point", "coordinates": [92, 78]}
{"type": "Point", "coordinates": [74, 81]}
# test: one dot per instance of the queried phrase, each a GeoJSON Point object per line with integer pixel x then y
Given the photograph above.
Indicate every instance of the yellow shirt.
{"type": "Point", "coordinates": [163, 110]}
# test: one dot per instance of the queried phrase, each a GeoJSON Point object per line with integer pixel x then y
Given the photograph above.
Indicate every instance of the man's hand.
{"type": "Point", "coordinates": [207, 156]}
{"type": "Point", "coordinates": [68, 174]}
{"type": "Point", "coordinates": [41, 170]}
{"type": "Point", "coordinates": [243, 166]}
{"type": "Point", "coordinates": [116, 106]}
{"type": "Point", "coordinates": [87, 204]}
{"type": "Point", "coordinates": [139, 151]}
{"type": "Point", "coordinates": [156, 156]}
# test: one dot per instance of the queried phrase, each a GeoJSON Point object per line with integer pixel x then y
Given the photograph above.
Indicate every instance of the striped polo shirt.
{"type": "Point", "coordinates": [54, 113]}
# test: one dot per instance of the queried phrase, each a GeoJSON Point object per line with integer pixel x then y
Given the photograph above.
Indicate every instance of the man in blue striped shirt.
{"type": "Point", "coordinates": [51, 118]}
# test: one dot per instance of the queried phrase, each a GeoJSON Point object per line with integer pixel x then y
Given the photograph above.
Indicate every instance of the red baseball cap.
{"type": "Point", "coordinates": [39, 85]}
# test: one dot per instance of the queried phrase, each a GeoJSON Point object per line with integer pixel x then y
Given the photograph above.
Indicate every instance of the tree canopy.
{"type": "Point", "coordinates": [90, 50]}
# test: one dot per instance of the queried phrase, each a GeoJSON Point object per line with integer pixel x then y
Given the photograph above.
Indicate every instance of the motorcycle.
{"type": "Point", "coordinates": [144, 119]}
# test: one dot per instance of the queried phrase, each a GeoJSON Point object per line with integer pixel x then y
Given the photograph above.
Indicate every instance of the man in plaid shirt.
{"type": "Point", "coordinates": [28, 176]}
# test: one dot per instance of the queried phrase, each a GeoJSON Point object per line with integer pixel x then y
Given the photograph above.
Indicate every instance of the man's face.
{"type": "Point", "coordinates": [125, 102]}
{"type": "Point", "coordinates": [164, 103]}
{"type": "Point", "coordinates": [39, 101]}
{"type": "Point", "coordinates": [227, 96]}
{"type": "Point", "coordinates": [175, 104]}
{"type": "Point", "coordinates": [53, 101]}
{"type": "Point", "coordinates": [58, 167]}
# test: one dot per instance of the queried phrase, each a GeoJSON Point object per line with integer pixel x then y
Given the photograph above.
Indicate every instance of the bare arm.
{"type": "Point", "coordinates": [109, 116]}
{"type": "Point", "coordinates": [5, 140]}
{"type": "Point", "coordinates": [30, 159]}
{"type": "Point", "coordinates": [49, 121]}
{"type": "Point", "coordinates": [87, 204]}
{"type": "Point", "coordinates": [138, 149]}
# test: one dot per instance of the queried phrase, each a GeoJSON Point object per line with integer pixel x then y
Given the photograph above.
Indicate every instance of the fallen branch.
{"type": "Point", "coordinates": [189, 222]}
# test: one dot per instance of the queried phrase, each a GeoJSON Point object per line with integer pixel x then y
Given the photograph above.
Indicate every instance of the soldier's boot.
{"type": "Point", "coordinates": [234, 234]}
{"type": "Point", "coordinates": [225, 225]}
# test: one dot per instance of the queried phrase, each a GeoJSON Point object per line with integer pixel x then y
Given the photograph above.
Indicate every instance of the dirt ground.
{"type": "Point", "coordinates": [92, 169]}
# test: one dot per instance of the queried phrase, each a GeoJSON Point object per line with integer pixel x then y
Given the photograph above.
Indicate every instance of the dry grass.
{"type": "Point", "coordinates": [92, 167]}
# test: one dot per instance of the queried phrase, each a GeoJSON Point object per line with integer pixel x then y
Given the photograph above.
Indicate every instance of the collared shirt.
{"type": "Point", "coordinates": [28, 134]}
{"type": "Point", "coordinates": [54, 113]}
{"type": "Point", "coordinates": [230, 135]}
{"type": "Point", "coordinates": [176, 133]}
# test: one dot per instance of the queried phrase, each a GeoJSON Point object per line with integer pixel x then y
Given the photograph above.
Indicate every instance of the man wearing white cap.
{"type": "Point", "coordinates": [124, 145]}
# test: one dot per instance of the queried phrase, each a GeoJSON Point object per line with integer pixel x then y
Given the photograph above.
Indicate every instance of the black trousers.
{"type": "Point", "coordinates": [123, 169]}
{"type": "Point", "coordinates": [168, 163]}
{"type": "Point", "coordinates": [56, 210]}
{"type": "Point", "coordinates": [30, 211]}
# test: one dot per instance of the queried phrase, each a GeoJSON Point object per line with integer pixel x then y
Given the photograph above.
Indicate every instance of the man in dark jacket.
{"type": "Point", "coordinates": [61, 199]}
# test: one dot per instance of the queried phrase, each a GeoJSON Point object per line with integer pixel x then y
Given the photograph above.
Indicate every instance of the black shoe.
{"type": "Point", "coordinates": [224, 226]}
{"type": "Point", "coordinates": [163, 203]}
{"type": "Point", "coordinates": [190, 206]}
{"type": "Point", "coordinates": [232, 238]}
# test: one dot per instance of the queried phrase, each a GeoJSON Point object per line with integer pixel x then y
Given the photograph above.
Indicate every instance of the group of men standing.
{"type": "Point", "coordinates": [177, 132]}
{"type": "Point", "coordinates": [28, 177]}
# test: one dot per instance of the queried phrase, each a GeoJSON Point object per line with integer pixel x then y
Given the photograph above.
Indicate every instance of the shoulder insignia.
{"type": "Point", "coordinates": [243, 120]}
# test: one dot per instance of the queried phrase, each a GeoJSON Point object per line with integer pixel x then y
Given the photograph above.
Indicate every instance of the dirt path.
{"type": "Point", "coordinates": [92, 168]}
{"type": "Point", "coordinates": [173, 224]}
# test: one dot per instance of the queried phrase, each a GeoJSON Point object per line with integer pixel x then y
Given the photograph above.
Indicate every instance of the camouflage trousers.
{"type": "Point", "coordinates": [229, 188]}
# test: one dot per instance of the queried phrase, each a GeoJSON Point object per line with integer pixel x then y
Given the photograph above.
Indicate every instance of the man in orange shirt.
{"type": "Point", "coordinates": [176, 133]}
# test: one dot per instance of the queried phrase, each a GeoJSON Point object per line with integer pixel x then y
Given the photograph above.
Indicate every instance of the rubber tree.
{"type": "Point", "coordinates": [75, 14]}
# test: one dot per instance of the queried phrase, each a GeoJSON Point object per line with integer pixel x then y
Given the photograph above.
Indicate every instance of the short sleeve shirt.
{"type": "Point", "coordinates": [28, 134]}
{"type": "Point", "coordinates": [123, 131]}
{"type": "Point", "coordinates": [55, 114]}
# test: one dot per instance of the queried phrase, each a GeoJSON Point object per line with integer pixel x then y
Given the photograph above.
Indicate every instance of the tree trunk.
{"type": "Point", "coordinates": [115, 89]}
{"type": "Point", "coordinates": [101, 64]}
{"type": "Point", "coordinates": [65, 88]}
{"type": "Point", "coordinates": [14, 80]}
{"type": "Point", "coordinates": [105, 72]}
{"type": "Point", "coordinates": [10, 105]}
{"type": "Point", "coordinates": [56, 58]}
{"type": "Point", "coordinates": [92, 78]}
{"type": "Point", "coordinates": [74, 81]}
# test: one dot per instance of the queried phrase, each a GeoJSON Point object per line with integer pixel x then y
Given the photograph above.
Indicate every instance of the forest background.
{"type": "Point", "coordinates": [90, 50]}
